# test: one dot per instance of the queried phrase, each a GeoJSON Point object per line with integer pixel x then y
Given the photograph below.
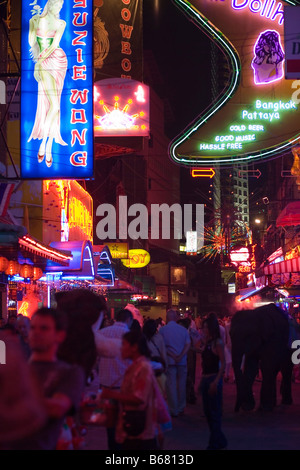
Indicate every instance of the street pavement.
{"type": "Point", "coordinates": [256, 430]}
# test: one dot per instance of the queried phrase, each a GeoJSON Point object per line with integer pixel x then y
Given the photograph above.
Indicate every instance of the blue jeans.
{"type": "Point", "coordinates": [212, 407]}
{"type": "Point", "coordinates": [176, 388]}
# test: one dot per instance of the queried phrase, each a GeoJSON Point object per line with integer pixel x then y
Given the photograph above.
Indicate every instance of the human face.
{"type": "Point", "coordinates": [43, 336]}
{"type": "Point", "coordinates": [55, 7]}
{"type": "Point", "coordinates": [23, 326]}
{"type": "Point", "coordinates": [127, 350]}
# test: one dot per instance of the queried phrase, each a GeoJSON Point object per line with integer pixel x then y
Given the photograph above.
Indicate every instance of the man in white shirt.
{"type": "Point", "coordinates": [177, 341]}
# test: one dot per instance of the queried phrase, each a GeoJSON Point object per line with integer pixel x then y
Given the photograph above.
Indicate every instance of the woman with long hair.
{"type": "Point", "coordinates": [213, 366]}
{"type": "Point", "coordinates": [45, 33]}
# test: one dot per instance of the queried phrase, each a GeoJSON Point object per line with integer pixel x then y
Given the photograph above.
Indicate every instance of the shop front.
{"type": "Point", "coordinates": [23, 260]}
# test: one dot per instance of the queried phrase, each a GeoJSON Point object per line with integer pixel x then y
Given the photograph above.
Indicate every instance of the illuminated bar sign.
{"type": "Point", "coordinates": [57, 89]}
{"type": "Point", "coordinates": [137, 258]}
{"type": "Point", "coordinates": [118, 250]}
{"type": "Point", "coordinates": [257, 115]}
{"type": "Point", "coordinates": [67, 211]}
{"type": "Point", "coordinates": [121, 108]}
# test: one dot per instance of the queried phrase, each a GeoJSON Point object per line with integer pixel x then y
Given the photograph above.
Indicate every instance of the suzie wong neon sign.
{"type": "Point", "coordinates": [56, 89]}
{"type": "Point", "coordinates": [256, 116]}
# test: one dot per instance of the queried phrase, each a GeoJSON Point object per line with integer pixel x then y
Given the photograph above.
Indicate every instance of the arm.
{"type": "Point", "coordinates": [136, 391]}
{"type": "Point", "coordinates": [66, 398]}
{"type": "Point", "coordinates": [33, 22]}
{"type": "Point", "coordinates": [107, 347]}
{"type": "Point", "coordinates": [183, 352]}
{"type": "Point", "coordinates": [122, 397]}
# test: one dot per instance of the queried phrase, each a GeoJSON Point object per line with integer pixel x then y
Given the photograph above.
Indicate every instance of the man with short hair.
{"type": "Point", "coordinates": [23, 328]}
{"type": "Point", "coordinates": [61, 384]}
{"type": "Point", "coordinates": [177, 341]}
{"type": "Point", "coordinates": [112, 368]}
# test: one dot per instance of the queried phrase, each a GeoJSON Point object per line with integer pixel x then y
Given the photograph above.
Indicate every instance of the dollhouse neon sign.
{"type": "Point", "coordinates": [259, 122]}
{"type": "Point", "coordinates": [265, 8]}
{"type": "Point", "coordinates": [267, 63]}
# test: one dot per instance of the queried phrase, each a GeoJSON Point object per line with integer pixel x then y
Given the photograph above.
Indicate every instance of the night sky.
{"type": "Point", "coordinates": [182, 53]}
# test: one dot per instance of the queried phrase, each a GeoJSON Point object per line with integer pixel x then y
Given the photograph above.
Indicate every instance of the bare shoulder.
{"type": "Point", "coordinates": [219, 343]}
{"type": "Point", "coordinates": [34, 20]}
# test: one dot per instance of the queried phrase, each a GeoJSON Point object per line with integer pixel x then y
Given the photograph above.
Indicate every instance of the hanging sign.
{"type": "Point", "coordinates": [256, 115]}
{"type": "Point", "coordinates": [57, 89]}
{"type": "Point", "coordinates": [121, 108]}
{"type": "Point", "coordinates": [137, 258]}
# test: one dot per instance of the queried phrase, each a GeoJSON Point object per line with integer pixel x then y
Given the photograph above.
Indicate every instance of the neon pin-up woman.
{"type": "Point", "coordinates": [268, 61]}
{"type": "Point", "coordinates": [45, 33]}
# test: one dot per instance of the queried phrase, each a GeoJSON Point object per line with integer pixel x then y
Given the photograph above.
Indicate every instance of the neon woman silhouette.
{"type": "Point", "coordinates": [45, 33]}
{"type": "Point", "coordinates": [268, 61]}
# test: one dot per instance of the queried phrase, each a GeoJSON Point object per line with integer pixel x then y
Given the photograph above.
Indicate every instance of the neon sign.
{"type": "Point", "coordinates": [137, 258]}
{"type": "Point", "coordinates": [56, 90]}
{"type": "Point", "coordinates": [269, 8]}
{"type": "Point", "coordinates": [240, 135]}
{"type": "Point", "coordinates": [74, 209]}
{"type": "Point", "coordinates": [121, 108]}
{"type": "Point", "coordinates": [267, 63]}
{"type": "Point", "coordinates": [238, 256]}
{"type": "Point", "coordinates": [256, 115]}
{"type": "Point", "coordinates": [24, 308]}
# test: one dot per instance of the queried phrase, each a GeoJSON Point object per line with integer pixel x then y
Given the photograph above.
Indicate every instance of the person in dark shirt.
{"type": "Point", "coordinates": [213, 366]}
{"type": "Point", "coordinates": [61, 384]}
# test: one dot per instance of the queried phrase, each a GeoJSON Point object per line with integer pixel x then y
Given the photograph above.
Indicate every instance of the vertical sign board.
{"type": "Point", "coordinates": [118, 41]}
{"type": "Point", "coordinates": [57, 89]}
{"type": "Point", "coordinates": [292, 41]}
{"type": "Point", "coordinates": [256, 116]}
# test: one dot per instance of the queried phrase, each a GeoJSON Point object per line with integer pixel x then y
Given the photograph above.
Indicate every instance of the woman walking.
{"type": "Point", "coordinates": [137, 423]}
{"type": "Point", "coordinates": [213, 366]}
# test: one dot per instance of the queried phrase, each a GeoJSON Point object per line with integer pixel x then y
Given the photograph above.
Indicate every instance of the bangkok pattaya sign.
{"type": "Point", "coordinates": [257, 114]}
{"type": "Point", "coordinates": [57, 89]}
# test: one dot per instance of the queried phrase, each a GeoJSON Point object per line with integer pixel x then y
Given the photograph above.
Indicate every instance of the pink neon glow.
{"type": "Point", "coordinates": [268, 60]}
{"type": "Point", "coordinates": [240, 256]}
{"type": "Point", "coordinates": [265, 8]}
{"type": "Point", "coordinates": [140, 94]}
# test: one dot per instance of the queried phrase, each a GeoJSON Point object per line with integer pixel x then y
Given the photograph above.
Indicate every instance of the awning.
{"type": "Point", "coordinates": [16, 243]}
{"type": "Point", "coordinates": [31, 245]}
{"type": "Point", "coordinates": [252, 292]}
{"type": "Point", "coordinates": [287, 266]}
{"type": "Point", "coordinates": [290, 215]}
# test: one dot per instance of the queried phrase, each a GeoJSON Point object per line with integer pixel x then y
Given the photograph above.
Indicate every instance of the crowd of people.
{"type": "Point", "coordinates": [146, 369]}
